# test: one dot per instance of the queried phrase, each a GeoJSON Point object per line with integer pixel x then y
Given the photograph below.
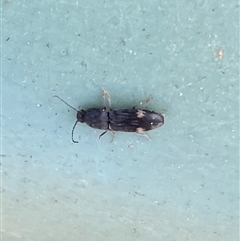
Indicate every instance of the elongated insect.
{"type": "Point", "coordinates": [126, 120]}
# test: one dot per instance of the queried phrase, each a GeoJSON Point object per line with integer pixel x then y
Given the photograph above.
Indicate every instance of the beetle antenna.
{"type": "Point", "coordinates": [73, 131]}
{"type": "Point", "coordinates": [65, 102]}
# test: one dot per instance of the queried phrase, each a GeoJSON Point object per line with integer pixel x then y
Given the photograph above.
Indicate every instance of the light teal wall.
{"type": "Point", "coordinates": [181, 185]}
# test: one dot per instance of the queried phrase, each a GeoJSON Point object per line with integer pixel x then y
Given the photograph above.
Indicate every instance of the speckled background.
{"type": "Point", "coordinates": [181, 185]}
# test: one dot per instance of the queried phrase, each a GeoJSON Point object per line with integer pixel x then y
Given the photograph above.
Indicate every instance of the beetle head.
{"type": "Point", "coordinates": [81, 116]}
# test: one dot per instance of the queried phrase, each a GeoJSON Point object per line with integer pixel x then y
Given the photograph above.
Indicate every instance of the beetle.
{"type": "Point", "coordinates": [126, 120]}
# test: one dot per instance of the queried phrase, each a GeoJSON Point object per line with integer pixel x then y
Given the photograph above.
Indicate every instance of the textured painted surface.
{"type": "Point", "coordinates": [182, 185]}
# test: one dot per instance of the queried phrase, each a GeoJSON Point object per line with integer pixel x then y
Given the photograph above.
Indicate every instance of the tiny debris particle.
{"type": "Point", "coordinates": [218, 54]}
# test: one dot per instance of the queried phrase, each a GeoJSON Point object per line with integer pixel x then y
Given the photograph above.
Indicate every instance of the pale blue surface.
{"type": "Point", "coordinates": [182, 185]}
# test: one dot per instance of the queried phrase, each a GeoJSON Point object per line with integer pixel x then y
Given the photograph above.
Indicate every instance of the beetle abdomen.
{"type": "Point", "coordinates": [130, 120]}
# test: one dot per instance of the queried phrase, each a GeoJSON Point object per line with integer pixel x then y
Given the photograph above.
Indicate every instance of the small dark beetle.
{"type": "Point", "coordinates": [127, 120]}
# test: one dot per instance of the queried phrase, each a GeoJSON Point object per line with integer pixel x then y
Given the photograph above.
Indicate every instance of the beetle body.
{"type": "Point", "coordinates": [126, 120]}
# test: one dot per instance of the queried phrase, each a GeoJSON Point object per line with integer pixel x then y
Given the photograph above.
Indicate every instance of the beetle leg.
{"type": "Point", "coordinates": [141, 132]}
{"type": "Point", "coordinates": [143, 102]}
{"type": "Point", "coordinates": [112, 135]}
{"type": "Point", "coordinates": [103, 134]}
{"type": "Point", "coordinates": [106, 132]}
{"type": "Point", "coordinates": [106, 96]}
